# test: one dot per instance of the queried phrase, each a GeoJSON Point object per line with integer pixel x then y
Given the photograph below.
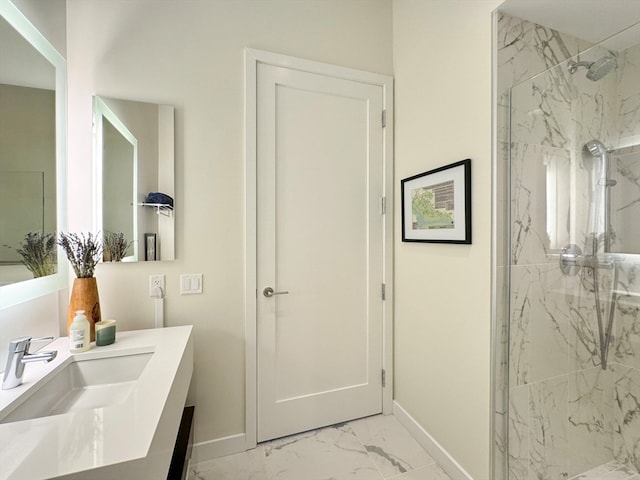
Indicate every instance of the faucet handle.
{"type": "Point", "coordinates": [22, 344]}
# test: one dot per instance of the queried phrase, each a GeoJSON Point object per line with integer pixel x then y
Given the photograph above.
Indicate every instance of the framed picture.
{"type": "Point", "coordinates": [150, 246]}
{"type": "Point", "coordinates": [436, 205]}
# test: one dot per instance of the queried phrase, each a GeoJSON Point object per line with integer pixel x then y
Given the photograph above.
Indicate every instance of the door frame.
{"type": "Point", "coordinates": [254, 57]}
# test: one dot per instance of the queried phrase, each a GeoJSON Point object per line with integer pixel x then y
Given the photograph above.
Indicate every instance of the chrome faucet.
{"type": "Point", "coordinates": [18, 356]}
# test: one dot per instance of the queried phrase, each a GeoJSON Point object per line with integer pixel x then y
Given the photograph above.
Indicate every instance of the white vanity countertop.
{"type": "Point", "coordinates": [83, 440]}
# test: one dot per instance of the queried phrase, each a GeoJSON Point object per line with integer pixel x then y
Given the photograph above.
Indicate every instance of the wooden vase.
{"type": "Point", "coordinates": [84, 296]}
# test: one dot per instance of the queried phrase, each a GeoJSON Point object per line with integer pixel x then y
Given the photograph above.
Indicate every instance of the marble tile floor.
{"type": "Point", "coordinates": [609, 471]}
{"type": "Point", "coordinates": [373, 448]}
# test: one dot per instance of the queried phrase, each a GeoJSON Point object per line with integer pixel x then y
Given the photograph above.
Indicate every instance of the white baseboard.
{"type": "Point", "coordinates": [219, 447]}
{"type": "Point", "coordinates": [433, 448]}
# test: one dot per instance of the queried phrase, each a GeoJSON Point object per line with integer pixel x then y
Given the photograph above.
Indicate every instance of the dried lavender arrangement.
{"type": "Point", "coordinates": [115, 246]}
{"type": "Point", "coordinates": [83, 251]}
{"type": "Point", "coordinates": [38, 252]}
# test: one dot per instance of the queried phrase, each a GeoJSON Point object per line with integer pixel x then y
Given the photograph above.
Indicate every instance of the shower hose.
{"type": "Point", "coordinates": [605, 336]}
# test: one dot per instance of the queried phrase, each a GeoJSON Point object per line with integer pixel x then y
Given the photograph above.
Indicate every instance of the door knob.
{"type": "Point", "coordinates": [269, 292]}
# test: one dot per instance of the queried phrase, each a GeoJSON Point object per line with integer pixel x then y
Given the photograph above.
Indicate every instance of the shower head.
{"type": "Point", "coordinates": [596, 148]}
{"type": "Point", "coordinates": [595, 70]}
{"type": "Point", "coordinates": [601, 67]}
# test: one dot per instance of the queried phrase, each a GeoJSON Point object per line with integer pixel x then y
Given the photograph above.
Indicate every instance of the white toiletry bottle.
{"type": "Point", "coordinates": [79, 333]}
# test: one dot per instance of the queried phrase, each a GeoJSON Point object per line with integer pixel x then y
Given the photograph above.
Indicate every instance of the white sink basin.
{"type": "Point", "coordinates": [83, 384]}
{"type": "Point", "coordinates": [111, 412]}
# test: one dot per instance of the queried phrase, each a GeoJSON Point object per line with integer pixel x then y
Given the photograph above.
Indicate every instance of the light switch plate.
{"type": "Point", "coordinates": [190, 283]}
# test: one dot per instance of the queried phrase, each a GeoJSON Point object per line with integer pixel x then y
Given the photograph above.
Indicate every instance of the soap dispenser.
{"type": "Point", "coordinates": [79, 333]}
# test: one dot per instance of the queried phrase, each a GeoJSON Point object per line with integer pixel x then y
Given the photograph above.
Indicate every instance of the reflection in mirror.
{"type": "Point", "coordinates": [134, 157]}
{"type": "Point", "coordinates": [27, 150]}
{"type": "Point", "coordinates": [116, 183]}
{"type": "Point", "coordinates": [558, 183]}
{"type": "Point", "coordinates": [32, 158]}
{"type": "Point", "coordinates": [625, 199]}
{"type": "Point", "coordinates": [622, 208]}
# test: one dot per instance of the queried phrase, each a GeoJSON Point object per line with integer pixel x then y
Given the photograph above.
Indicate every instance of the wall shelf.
{"type": "Point", "coordinates": [161, 208]}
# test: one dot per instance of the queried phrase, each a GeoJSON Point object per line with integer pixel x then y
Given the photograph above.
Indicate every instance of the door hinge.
{"type": "Point", "coordinates": [384, 118]}
{"type": "Point", "coordinates": [383, 291]}
{"type": "Point", "coordinates": [383, 205]}
{"type": "Point", "coordinates": [384, 378]}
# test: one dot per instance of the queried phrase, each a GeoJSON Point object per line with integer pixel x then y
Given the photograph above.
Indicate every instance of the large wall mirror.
{"type": "Point", "coordinates": [134, 178]}
{"type": "Point", "coordinates": [32, 159]}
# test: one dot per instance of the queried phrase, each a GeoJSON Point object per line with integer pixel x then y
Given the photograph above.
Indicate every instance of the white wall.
{"type": "Point", "coordinates": [190, 54]}
{"type": "Point", "coordinates": [442, 67]}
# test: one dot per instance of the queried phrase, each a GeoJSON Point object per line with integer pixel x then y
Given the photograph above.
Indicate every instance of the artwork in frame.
{"type": "Point", "coordinates": [436, 205]}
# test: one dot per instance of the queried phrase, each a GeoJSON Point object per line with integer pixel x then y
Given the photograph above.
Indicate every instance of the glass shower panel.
{"type": "Point", "coordinates": [574, 273]}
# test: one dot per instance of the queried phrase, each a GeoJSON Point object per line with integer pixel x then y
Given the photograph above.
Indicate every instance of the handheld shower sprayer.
{"type": "Point", "coordinates": [597, 150]}
{"type": "Point", "coordinates": [572, 260]}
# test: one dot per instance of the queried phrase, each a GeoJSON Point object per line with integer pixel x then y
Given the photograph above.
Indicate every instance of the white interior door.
{"type": "Point", "coordinates": [320, 247]}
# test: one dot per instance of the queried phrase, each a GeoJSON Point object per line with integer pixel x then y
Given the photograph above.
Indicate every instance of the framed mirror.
{"type": "Point", "coordinates": [32, 157]}
{"type": "Point", "coordinates": [134, 178]}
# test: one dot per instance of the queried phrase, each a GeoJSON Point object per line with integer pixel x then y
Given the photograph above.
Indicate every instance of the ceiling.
{"type": "Point", "coordinates": [592, 20]}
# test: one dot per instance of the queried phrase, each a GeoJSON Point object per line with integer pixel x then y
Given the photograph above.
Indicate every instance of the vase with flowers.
{"type": "Point", "coordinates": [83, 251]}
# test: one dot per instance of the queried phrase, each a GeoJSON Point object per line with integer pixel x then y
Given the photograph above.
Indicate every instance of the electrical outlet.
{"type": "Point", "coordinates": [156, 281]}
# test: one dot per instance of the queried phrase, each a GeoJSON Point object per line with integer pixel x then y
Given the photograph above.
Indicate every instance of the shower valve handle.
{"type": "Point", "coordinates": [572, 260]}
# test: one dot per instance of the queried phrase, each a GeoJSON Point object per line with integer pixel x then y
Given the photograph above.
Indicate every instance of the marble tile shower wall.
{"type": "Point", "coordinates": [565, 414]}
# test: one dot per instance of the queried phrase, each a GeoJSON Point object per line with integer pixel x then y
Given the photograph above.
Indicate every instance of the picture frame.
{"type": "Point", "coordinates": [150, 246]}
{"type": "Point", "coordinates": [436, 205]}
